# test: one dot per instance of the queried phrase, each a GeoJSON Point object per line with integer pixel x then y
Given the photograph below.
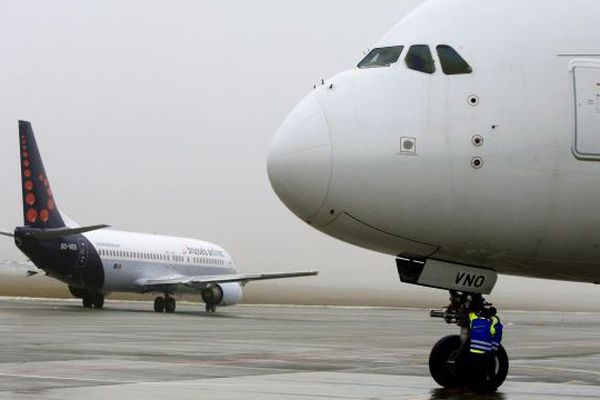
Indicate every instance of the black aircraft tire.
{"type": "Point", "coordinates": [170, 305]}
{"type": "Point", "coordinates": [159, 304]}
{"type": "Point", "coordinates": [497, 374]}
{"type": "Point", "coordinates": [98, 300]}
{"type": "Point", "coordinates": [502, 365]}
{"type": "Point", "coordinates": [211, 308]}
{"type": "Point", "coordinates": [87, 301]}
{"type": "Point", "coordinates": [442, 361]}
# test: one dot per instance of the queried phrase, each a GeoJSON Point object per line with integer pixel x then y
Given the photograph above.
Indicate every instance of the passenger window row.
{"type": "Point", "coordinates": [157, 257]}
{"type": "Point", "coordinates": [418, 58]}
{"type": "Point", "coordinates": [138, 255]}
{"type": "Point", "coordinates": [213, 261]}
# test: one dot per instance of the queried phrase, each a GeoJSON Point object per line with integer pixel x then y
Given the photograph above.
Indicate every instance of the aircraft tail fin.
{"type": "Point", "coordinates": [39, 206]}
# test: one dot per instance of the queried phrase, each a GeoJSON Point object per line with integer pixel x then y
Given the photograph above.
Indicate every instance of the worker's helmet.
{"type": "Point", "coordinates": [489, 312]}
{"type": "Point", "coordinates": [476, 304]}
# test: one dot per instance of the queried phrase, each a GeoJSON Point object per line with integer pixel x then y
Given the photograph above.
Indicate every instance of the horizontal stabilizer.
{"type": "Point", "coordinates": [56, 233]}
{"type": "Point", "coordinates": [201, 282]}
{"type": "Point", "coordinates": [7, 233]}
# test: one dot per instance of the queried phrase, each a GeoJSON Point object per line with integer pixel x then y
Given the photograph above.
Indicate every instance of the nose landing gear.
{"type": "Point", "coordinates": [451, 363]}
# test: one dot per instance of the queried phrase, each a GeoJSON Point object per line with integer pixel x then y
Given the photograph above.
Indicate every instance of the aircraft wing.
{"type": "Point", "coordinates": [205, 281]}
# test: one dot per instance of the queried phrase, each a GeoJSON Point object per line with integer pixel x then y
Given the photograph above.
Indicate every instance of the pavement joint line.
{"type": "Point", "coordinates": [62, 378]}
{"type": "Point", "coordinates": [266, 305]}
{"type": "Point", "coordinates": [583, 371]}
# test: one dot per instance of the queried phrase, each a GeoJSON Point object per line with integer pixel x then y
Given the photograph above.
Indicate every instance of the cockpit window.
{"type": "Point", "coordinates": [452, 62]}
{"type": "Point", "coordinates": [419, 58]}
{"type": "Point", "coordinates": [381, 57]}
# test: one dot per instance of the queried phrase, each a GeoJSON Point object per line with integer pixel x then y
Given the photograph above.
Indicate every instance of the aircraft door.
{"type": "Point", "coordinates": [586, 112]}
{"type": "Point", "coordinates": [82, 252]}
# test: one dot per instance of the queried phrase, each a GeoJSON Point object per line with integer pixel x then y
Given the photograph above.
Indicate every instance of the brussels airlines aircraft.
{"type": "Point", "coordinates": [95, 261]}
{"type": "Point", "coordinates": [465, 144]}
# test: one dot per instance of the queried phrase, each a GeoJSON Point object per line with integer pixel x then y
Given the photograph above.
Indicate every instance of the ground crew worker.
{"type": "Point", "coordinates": [480, 350]}
{"type": "Point", "coordinates": [481, 333]}
{"type": "Point", "coordinates": [496, 330]}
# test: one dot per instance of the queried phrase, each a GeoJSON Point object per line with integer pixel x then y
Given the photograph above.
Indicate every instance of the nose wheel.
{"type": "Point", "coordinates": [442, 361]}
{"type": "Point", "coordinates": [451, 367]}
{"type": "Point", "coordinates": [451, 363]}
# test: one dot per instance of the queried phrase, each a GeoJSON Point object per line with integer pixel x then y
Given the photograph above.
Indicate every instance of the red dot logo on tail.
{"type": "Point", "coordinates": [28, 185]}
{"type": "Point", "coordinates": [27, 173]}
{"type": "Point", "coordinates": [44, 215]}
{"type": "Point", "coordinates": [31, 215]}
{"type": "Point", "coordinates": [30, 199]}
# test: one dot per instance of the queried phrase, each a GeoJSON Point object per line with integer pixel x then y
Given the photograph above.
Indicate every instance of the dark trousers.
{"type": "Point", "coordinates": [474, 369]}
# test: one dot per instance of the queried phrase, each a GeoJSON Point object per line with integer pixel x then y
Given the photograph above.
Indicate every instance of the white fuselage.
{"type": "Point", "coordinates": [131, 258]}
{"type": "Point", "coordinates": [529, 208]}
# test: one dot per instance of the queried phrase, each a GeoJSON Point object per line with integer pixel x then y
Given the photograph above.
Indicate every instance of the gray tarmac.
{"type": "Point", "coordinates": [55, 349]}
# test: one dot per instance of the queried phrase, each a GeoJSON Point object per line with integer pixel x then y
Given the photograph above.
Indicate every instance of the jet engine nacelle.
{"type": "Point", "coordinates": [223, 294]}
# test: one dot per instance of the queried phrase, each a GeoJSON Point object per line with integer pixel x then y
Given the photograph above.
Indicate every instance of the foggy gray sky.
{"type": "Point", "coordinates": [156, 116]}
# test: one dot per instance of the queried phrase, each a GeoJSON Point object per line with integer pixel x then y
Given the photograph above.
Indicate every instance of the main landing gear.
{"type": "Point", "coordinates": [166, 304]}
{"type": "Point", "coordinates": [88, 298]}
{"type": "Point", "coordinates": [450, 362]}
{"type": "Point", "coordinates": [210, 308]}
{"type": "Point", "coordinates": [211, 297]}
{"type": "Point", "coordinates": [93, 300]}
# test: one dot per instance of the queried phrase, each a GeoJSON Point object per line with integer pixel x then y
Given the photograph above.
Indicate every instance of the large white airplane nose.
{"type": "Point", "coordinates": [299, 161]}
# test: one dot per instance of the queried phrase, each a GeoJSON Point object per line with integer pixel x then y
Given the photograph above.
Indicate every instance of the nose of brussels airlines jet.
{"type": "Point", "coordinates": [299, 161]}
